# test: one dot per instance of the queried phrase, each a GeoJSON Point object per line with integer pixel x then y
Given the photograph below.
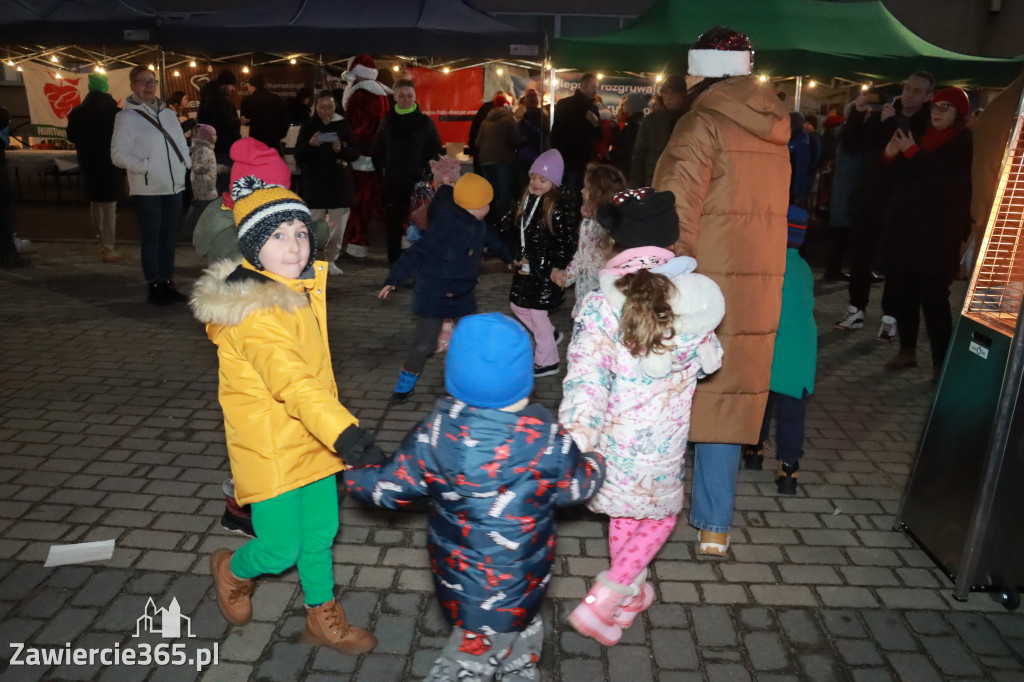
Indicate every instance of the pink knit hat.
{"type": "Point", "coordinates": [205, 132]}
{"type": "Point", "coordinates": [549, 165]}
{"type": "Point", "coordinates": [446, 167]}
{"type": "Point", "coordinates": [252, 157]}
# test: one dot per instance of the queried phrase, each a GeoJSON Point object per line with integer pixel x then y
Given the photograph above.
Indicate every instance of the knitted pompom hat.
{"type": "Point", "coordinates": [641, 217]}
{"type": "Point", "coordinates": [98, 83]}
{"type": "Point", "coordinates": [719, 52]}
{"type": "Point", "coordinates": [260, 209]}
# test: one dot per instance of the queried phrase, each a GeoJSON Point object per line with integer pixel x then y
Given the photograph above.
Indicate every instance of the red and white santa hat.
{"type": "Point", "coordinates": [360, 66]}
{"type": "Point", "coordinates": [721, 52]}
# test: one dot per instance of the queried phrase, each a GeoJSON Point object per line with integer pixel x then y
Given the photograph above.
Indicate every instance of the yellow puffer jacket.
{"type": "Point", "coordinates": [277, 389]}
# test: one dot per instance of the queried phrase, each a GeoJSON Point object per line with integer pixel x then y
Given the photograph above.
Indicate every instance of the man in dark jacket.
{"type": "Point", "coordinates": [868, 132]}
{"type": "Point", "coordinates": [631, 115]}
{"type": "Point", "coordinates": [406, 142]}
{"type": "Point", "coordinates": [217, 109]}
{"type": "Point", "coordinates": [90, 127]}
{"type": "Point", "coordinates": [9, 256]}
{"type": "Point", "coordinates": [576, 130]}
{"type": "Point", "coordinates": [655, 131]}
{"type": "Point", "coordinates": [267, 114]}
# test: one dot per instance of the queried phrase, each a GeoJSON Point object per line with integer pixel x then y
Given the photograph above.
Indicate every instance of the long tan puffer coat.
{"type": "Point", "coordinates": [728, 165]}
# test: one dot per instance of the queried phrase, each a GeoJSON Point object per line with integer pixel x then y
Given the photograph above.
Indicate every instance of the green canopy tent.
{"type": "Point", "coordinates": [858, 41]}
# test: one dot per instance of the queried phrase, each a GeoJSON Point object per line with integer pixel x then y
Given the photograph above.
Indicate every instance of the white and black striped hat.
{"type": "Point", "coordinates": [259, 209]}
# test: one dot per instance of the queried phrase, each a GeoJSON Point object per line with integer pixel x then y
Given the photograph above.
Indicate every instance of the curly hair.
{"type": "Point", "coordinates": [603, 182]}
{"type": "Point", "coordinates": [647, 317]}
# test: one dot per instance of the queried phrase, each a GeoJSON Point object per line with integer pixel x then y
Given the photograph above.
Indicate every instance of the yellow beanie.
{"type": "Point", "coordinates": [472, 192]}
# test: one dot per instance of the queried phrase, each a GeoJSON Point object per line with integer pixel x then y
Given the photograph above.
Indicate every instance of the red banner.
{"type": "Point", "coordinates": [451, 99]}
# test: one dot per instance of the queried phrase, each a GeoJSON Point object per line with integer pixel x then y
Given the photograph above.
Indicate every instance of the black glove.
{"type": "Point", "coordinates": [355, 446]}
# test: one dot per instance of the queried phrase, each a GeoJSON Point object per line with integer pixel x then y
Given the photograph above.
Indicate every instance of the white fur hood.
{"type": "Point", "coordinates": [217, 301]}
{"type": "Point", "coordinates": [697, 302]}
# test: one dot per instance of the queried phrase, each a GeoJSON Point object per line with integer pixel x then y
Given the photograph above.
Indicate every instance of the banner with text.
{"type": "Point", "coordinates": [451, 99]}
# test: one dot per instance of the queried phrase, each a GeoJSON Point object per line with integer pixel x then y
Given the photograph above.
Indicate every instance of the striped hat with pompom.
{"type": "Point", "coordinates": [259, 209]}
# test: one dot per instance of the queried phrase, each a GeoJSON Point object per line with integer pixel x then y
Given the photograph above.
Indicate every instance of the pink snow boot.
{"type": "Point", "coordinates": [594, 616]}
{"type": "Point", "coordinates": [641, 597]}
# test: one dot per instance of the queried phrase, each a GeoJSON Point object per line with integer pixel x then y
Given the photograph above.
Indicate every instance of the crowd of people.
{"type": "Point", "coordinates": [693, 319]}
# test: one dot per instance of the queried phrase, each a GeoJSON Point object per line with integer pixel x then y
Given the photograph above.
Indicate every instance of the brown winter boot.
{"type": "Point", "coordinates": [234, 595]}
{"type": "Point", "coordinates": [326, 626]}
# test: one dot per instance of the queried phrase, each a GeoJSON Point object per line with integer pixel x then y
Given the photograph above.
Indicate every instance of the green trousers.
{"type": "Point", "coordinates": [296, 528]}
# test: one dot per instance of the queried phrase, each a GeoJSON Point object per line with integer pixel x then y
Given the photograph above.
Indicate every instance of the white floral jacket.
{"type": "Point", "coordinates": [636, 411]}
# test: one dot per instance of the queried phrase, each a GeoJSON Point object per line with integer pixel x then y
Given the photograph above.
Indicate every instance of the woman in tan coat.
{"type": "Point", "coordinates": [728, 165]}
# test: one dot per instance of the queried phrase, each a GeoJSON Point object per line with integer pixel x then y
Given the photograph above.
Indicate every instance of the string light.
{"type": "Point", "coordinates": [499, 71]}
{"type": "Point", "coordinates": [600, 76]}
{"type": "Point", "coordinates": [53, 58]}
{"type": "Point", "coordinates": [292, 61]}
{"type": "Point", "coordinates": [551, 67]}
{"type": "Point", "coordinates": [812, 84]}
{"type": "Point", "coordinates": [152, 68]}
{"type": "Point", "coordinates": [395, 68]}
{"type": "Point", "coordinates": [658, 78]}
{"type": "Point", "coordinates": [864, 87]}
{"type": "Point", "coordinates": [445, 69]}
{"type": "Point", "coordinates": [192, 63]}
{"type": "Point", "coordinates": [10, 62]}
{"type": "Point", "coordinates": [762, 78]}
{"type": "Point", "coordinates": [58, 75]}
{"type": "Point", "coordinates": [245, 69]}
{"type": "Point", "coordinates": [176, 74]}
{"type": "Point", "coordinates": [19, 68]}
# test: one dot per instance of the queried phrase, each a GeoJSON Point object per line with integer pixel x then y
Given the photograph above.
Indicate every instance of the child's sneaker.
{"type": "Point", "coordinates": [405, 387]}
{"type": "Point", "coordinates": [887, 329]}
{"type": "Point", "coordinates": [236, 518]}
{"type": "Point", "coordinates": [545, 371]}
{"type": "Point", "coordinates": [785, 477]}
{"type": "Point", "coordinates": [853, 319]}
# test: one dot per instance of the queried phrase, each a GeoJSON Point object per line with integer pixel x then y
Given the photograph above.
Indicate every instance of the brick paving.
{"type": "Point", "coordinates": [110, 428]}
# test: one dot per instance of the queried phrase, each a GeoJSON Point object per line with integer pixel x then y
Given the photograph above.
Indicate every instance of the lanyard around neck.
{"type": "Point", "coordinates": [524, 220]}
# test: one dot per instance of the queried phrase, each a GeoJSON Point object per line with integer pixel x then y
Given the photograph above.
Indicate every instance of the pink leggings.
{"type": "Point", "coordinates": [545, 352]}
{"type": "Point", "coordinates": [633, 543]}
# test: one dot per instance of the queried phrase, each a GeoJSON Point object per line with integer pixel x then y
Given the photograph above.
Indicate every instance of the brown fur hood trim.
{"type": "Point", "coordinates": [223, 299]}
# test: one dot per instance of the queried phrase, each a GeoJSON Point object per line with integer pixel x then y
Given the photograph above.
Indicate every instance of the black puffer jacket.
{"type": "Point", "coordinates": [90, 127]}
{"type": "Point", "coordinates": [494, 480]}
{"type": "Point", "coordinates": [545, 249]}
{"type": "Point", "coordinates": [326, 174]}
{"type": "Point", "coordinates": [404, 146]}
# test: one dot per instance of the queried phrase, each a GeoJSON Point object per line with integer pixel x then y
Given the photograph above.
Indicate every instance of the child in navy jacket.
{"type": "Point", "coordinates": [495, 467]}
{"type": "Point", "coordinates": [445, 262]}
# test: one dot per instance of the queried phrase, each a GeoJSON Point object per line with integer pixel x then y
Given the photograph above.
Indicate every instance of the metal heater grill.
{"type": "Point", "coordinates": [997, 287]}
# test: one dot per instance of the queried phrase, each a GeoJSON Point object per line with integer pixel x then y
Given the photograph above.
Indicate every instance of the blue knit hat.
{"type": "Point", "coordinates": [796, 219]}
{"type": "Point", "coordinates": [490, 361]}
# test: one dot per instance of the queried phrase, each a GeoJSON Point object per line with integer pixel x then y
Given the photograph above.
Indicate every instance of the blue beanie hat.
{"type": "Point", "coordinates": [490, 361]}
{"type": "Point", "coordinates": [796, 220]}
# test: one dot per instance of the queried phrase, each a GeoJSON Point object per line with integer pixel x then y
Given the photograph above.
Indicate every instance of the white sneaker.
{"type": "Point", "coordinates": [23, 245]}
{"type": "Point", "coordinates": [853, 319]}
{"type": "Point", "coordinates": [887, 329]}
{"type": "Point", "coordinates": [333, 269]}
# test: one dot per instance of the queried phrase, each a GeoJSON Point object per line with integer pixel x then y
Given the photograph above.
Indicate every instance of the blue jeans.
{"type": "Point", "coordinates": [715, 468]}
{"type": "Point", "coordinates": [158, 224]}
{"type": "Point", "coordinates": [789, 416]}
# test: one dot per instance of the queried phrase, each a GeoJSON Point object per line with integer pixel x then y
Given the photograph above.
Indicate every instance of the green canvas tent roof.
{"type": "Point", "coordinates": [854, 40]}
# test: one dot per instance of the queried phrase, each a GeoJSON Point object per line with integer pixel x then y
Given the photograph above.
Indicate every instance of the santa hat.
{"type": "Point", "coordinates": [721, 52]}
{"type": "Point", "coordinates": [360, 66]}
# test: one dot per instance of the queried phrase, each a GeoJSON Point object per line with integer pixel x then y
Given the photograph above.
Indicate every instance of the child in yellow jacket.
{"type": "Point", "coordinates": [287, 434]}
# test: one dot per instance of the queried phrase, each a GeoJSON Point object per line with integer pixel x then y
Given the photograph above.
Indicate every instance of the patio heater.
{"type": "Point", "coordinates": [964, 501]}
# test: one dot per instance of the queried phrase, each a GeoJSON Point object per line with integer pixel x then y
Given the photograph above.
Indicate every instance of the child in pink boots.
{"type": "Point", "coordinates": [642, 340]}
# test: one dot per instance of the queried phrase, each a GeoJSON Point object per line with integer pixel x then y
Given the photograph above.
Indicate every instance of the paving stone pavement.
{"type": "Point", "coordinates": [110, 428]}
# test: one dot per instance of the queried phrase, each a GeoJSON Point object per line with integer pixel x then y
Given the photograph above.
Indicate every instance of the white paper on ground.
{"type": "Point", "coordinates": [79, 553]}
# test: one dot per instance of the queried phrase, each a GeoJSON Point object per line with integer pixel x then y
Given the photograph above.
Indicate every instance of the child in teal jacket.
{"type": "Point", "coordinates": [793, 364]}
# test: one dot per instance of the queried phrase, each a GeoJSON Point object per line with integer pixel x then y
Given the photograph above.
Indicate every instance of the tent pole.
{"type": "Point", "coordinates": [163, 70]}
{"type": "Point", "coordinates": [799, 89]}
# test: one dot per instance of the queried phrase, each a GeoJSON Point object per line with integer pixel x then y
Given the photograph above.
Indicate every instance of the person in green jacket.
{"type": "Point", "coordinates": [793, 364]}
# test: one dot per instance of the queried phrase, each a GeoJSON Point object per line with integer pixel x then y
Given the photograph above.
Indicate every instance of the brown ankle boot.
{"type": "Point", "coordinates": [326, 626]}
{"type": "Point", "coordinates": [234, 595]}
{"type": "Point", "coordinates": [907, 357]}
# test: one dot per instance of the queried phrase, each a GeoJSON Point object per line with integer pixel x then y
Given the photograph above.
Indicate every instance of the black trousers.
{"type": "Point", "coordinates": [863, 244]}
{"type": "Point", "coordinates": [906, 296]}
{"type": "Point", "coordinates": [395, 217]}
{"type": "Point", "coordinates": [424, 343]}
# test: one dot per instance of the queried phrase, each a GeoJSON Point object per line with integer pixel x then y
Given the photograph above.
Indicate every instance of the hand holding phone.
{"type": "Point", "coordinates": [327, 137]}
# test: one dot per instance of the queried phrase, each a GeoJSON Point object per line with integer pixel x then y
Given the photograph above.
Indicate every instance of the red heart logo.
{"type": "Point", "coordinates": [63, 97]}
